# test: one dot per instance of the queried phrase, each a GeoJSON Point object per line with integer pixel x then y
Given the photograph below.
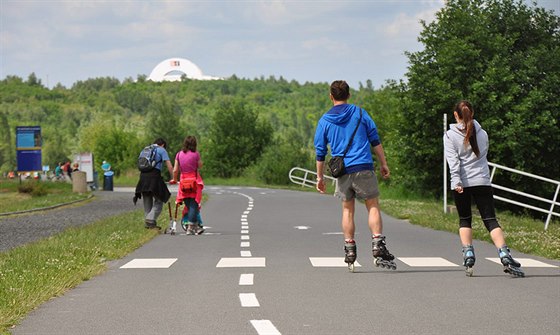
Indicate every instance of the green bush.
{"type": "Point", "coordinates": [34, 188]}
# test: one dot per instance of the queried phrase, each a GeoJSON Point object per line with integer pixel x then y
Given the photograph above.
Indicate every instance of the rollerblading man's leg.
{"type": "Point", "coordinates": [348, 228]}
{"type": "Point", "coordinates": [468, 259]}
{"type": "Point", "coordinates": [511, 266]}
{"type": "Point", "coordinates": [381, 256]}
{"type": "Point", "coordinates": [350, 254]}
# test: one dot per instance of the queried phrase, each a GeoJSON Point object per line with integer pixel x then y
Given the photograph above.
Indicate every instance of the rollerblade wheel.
{"type": "Point", "coordinates": [394, 267]}
{"type": "Point", "coordinates": [469, 272]}
{"type": "Point", "coordinates": [376, 262]}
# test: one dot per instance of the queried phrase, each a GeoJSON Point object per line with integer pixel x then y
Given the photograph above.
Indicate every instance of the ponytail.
{"type": "Point", "coordinates": [466, 114]}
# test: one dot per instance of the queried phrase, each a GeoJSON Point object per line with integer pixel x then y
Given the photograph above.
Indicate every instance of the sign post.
{"type": "Point", "coordinates": [28, 147]}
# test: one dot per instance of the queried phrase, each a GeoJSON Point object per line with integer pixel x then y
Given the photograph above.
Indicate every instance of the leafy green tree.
{"type": "Point", "coordinates": [279, 158]}
{"type": "Point", "coordinates": [164, 121]}
{"type": "Point", "coordinates": [503, 56]}
{"type": "Point", "coordinates": [236, 139]}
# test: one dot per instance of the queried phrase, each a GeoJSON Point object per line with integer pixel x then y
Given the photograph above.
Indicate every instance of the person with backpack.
{"type": "Point", "coordinates": [151, 187]}
{"type": "Point", "coordinates": [187, 162]}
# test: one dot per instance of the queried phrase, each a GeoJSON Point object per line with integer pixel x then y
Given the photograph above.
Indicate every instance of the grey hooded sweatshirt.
{"type": "Point", "coordinates": [466, 169]}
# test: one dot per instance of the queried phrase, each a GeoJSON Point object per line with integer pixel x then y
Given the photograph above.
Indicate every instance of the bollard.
{"type": "Point", "coordinates": [79, 184]}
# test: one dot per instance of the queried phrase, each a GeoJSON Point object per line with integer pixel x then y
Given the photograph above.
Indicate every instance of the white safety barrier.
{"type": "Point", "coordinates": [553, 202]}
{"type": "Point", "coordinates": [306, 177]}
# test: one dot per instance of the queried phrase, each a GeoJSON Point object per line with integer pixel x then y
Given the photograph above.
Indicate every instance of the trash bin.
{"type": "Point", "coordinates": [108, 181]}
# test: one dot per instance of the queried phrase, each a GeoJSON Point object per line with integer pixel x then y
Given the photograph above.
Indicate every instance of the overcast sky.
{"type": "Point", "coordinates": [306, 40]}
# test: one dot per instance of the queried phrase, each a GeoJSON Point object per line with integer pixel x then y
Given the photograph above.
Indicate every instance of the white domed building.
{"type": "Point", "coordinates": [173, 69]}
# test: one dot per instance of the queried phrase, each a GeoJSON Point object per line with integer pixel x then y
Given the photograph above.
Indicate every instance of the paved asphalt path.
{"type": "Point", "coordinates": [286, 230]}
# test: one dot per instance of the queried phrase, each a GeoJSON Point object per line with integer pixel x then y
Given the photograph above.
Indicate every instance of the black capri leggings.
{"type": "Point", "coordinates": [484, 200]}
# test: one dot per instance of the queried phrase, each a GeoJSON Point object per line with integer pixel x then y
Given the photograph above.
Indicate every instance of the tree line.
{"type": "Point", "coordinates": [502, 55]}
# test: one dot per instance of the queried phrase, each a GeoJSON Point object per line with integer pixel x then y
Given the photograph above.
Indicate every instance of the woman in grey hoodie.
{"type": "Point", "coordinates": [466, 146]}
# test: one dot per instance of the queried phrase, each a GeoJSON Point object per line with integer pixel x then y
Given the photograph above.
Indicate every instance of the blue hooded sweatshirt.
{"type": "Point", "coordinates": [335, 129]}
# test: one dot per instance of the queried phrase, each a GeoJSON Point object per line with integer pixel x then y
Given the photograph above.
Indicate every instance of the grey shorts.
{"type": "Point", "coordinates": [362, 185]}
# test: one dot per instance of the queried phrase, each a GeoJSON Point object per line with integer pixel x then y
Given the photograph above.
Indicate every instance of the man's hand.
{"type": "Point", "coordinates": [320, 185]}
{"type": "Point", "coordinates": [172, 182]}
{"type": "Point", "coordinates": [385, 173]}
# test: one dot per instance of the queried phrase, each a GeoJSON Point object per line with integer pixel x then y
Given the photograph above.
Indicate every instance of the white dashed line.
{"type": "Point", "coordinates": [246, 279]}
{"type": "Point", "coordinates": [526, 263]}
{"type": "Point", "coordinates": [245, 244]}
{"type": "Point", "coordinates": [426, 261]}
{"type": "Point", "coordinates": [248, 300]}
{"type": "Point", "coordinates": [245, 237]}
{"type": "Point", "coordinates": [242, 262]}
{"type": "Point", "coordinates": [244, 231]}
{"type": "Point", "coordinates": [149, 263]}
{"type": "Point", "coordinates": [265, 327]}
{"type": "Point", "coordinates": [245, 253]}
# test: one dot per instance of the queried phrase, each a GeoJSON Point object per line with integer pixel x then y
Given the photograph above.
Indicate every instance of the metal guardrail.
{"type": "Point", "coordinates": [305, 180]}
{"type": "Point", "coordinates": [553, 202]}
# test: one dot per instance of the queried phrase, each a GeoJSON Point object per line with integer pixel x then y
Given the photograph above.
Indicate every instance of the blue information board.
{"type": "Point", "coordinates": [28, 146]}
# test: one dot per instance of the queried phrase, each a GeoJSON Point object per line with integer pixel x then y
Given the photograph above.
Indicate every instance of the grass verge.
{"type": "Point", "coordinates": [51, 194]}
{"type": "Point", "coordinates": [34, 273]}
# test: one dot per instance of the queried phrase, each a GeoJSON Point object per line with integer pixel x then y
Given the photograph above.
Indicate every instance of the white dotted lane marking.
{"type": "Point", "coordinates": [149, 263]}
{"type": "Point", "coordinates": [242, 262]}
{"type": "Point", "coordinates": [248, 300]}
{"type": "Point", "coordinates": [245, 244]}
{"type": "Point", "coordinates": [526, 263]}
{"type": "Point", "coordinates": [245, 237]}
{"type": "Point", "coordinates": [245, 253]}
{"type": "Point", "coordinates": [244, 231]}
{"type": "Point", "coordinates": [426, 261]}
{"type": "Point", "coordinates": [328, 262]}
{"type": "Point", "coordinates": [246, 279]}
{"type": "Point", "coordinates": [265, 327]}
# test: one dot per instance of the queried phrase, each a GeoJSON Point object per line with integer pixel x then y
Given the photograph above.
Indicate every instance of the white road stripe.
{"type": "Point", "coordinates": [328, 262]}
{"type": "Point", "coordinates": [149, 263]}
{"type": "Point", "coordinates": [265, 327]}
{"type": "Point", "coordinates": [248, 300]}
{"type": "Point", "coordinates": [526, 263]}
{"type": "Point", "coordinates": [245, 253]}
{"type": "Point", "coordinates": [245, 231]}
{"type": "Point", "coordinates": [245, 237]}
{"type": "Point", "coordinates": [246, 279]}
{"type": "Point", "coordinates": [245, 244]}
{"type": "Point", "coordinates": [426, 261]}
{"type": "Point", "coordinates": [242, 262]}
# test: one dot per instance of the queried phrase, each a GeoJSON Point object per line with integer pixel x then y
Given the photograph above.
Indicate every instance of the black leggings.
{"type": "Point", "coordinates": [484, 200]}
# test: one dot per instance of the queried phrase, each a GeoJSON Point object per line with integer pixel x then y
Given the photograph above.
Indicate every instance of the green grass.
{"type": "Point", "coordinates": [55, 193]}
{"type": "Point", "coordinates": [34, 273]}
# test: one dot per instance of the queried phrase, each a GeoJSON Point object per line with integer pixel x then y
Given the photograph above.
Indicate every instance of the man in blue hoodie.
{"type": "Point", "coordinates": [335, 129]}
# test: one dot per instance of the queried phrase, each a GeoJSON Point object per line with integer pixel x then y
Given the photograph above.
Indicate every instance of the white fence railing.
{"type": "Point", "coordinates": [553, 202]}
{"type": "Point", "coordinates": [306, 178]}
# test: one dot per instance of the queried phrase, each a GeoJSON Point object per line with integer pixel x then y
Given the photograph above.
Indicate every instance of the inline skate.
{"type": "Point", "coordinates": [381, 256]}
{"type": "Point", "coordinates": [468, 259]}
{"type": "Point", "coordinates": [350, 254]}
{"type": "Point", "coordinates": [511, 266]}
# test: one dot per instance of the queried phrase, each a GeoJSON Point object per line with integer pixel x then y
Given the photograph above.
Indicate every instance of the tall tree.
{"type": "Point", "coordinates": [503, 56]}
{"type": "Point", "coordinates": [236, 139]}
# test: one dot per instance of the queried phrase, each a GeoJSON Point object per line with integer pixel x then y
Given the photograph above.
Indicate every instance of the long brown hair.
{"type": "Point", "coordinates": [189, 144]}
{"type": "Point", "coordinates": [466, 113]}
